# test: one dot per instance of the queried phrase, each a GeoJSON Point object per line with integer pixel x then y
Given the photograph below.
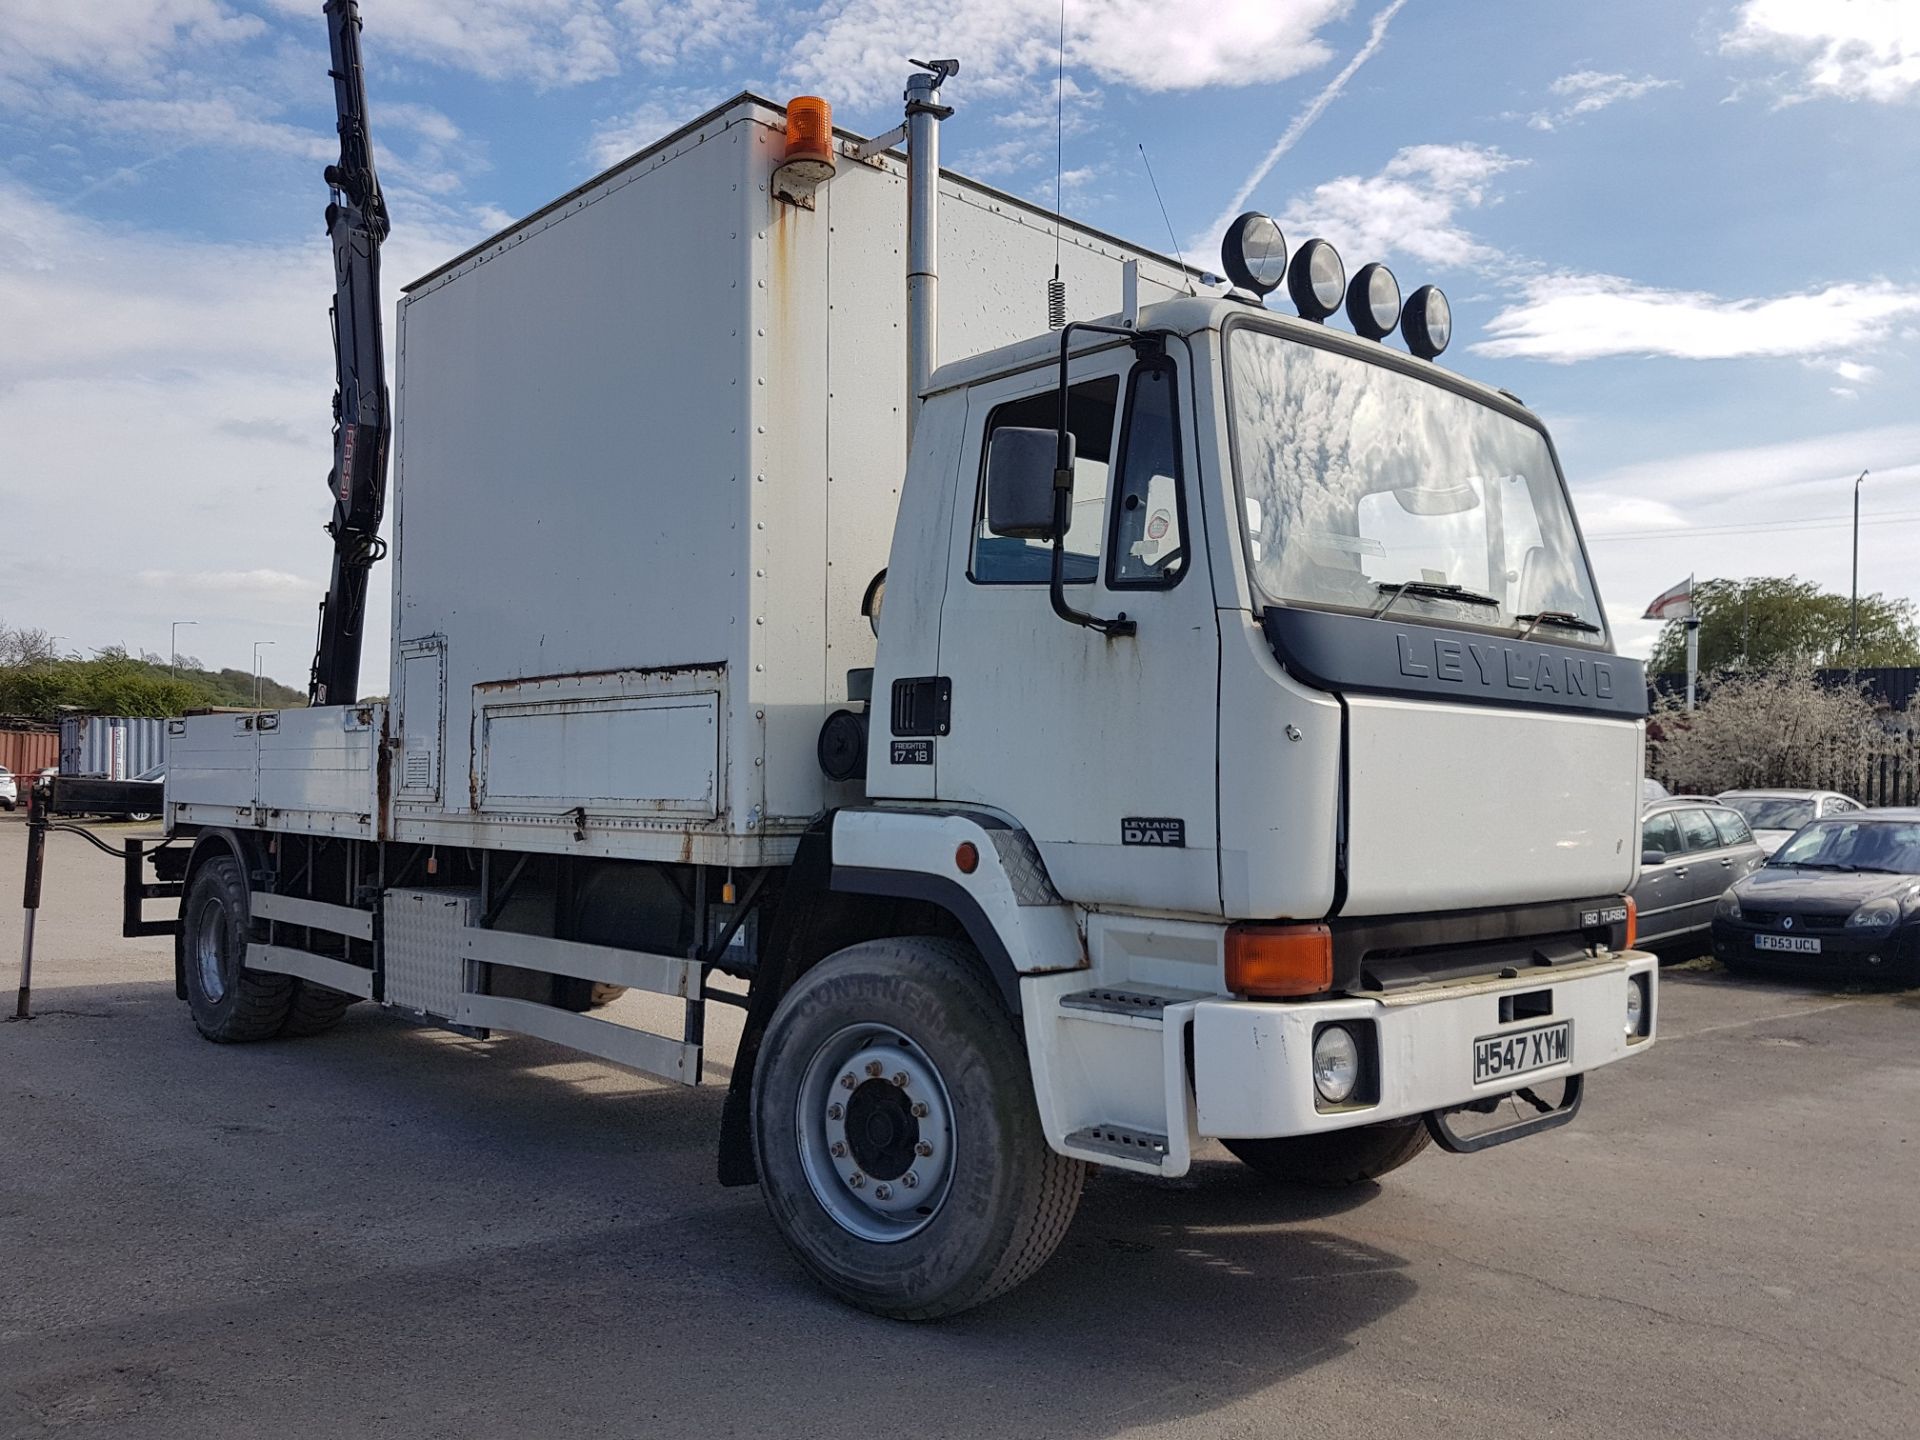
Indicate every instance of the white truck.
{"type": "Point", "coordinates": [1195, 725]}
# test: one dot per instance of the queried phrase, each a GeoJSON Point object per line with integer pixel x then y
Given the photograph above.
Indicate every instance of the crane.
{"type": "Point", "coordinates": [362, 429]}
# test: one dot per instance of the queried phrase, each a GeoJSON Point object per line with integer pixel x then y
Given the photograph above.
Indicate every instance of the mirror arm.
{"type": "Point", "coordinates": [1147, 344]}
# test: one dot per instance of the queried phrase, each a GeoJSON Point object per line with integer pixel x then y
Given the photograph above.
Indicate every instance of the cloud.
{"type": "Point", "coordinates": [550, 42]}
{"type": "Point", "coordinates": [1567, 317]}
{"type": "Point", "coordinates": [1410, 208]}
{"type": "Point", "coordinates": [1585, 91]}
{"type": "Point", "coordinates": [1851, 49]}
{"type": "Point", "coordinates": [1302, 122]}
{"type": "Point", "coordinates": [663, 112]}
{"type": "Point", "coordinates": [859, 48]}
{"type": "Point", "coordinates": [130, 39]}
{"type": "Point", "coordinates": [262, 584]}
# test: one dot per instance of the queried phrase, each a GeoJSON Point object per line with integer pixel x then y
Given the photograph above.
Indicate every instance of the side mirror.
{"type": "Point", "coordinates": [1653, 857]}
{"type": "Point", "coordinates": [1020, 465]}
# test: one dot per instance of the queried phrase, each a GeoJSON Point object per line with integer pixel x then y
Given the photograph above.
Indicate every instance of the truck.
{"type": "Point", "coordinates": [1068, 744]}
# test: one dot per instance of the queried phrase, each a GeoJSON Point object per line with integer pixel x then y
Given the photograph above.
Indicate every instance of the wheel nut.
{"type": "Point", "coordinates": [923, 1149]}
{"type": "Point", "coordinates": [875, 1068]}
{"type": "Point", "coordinates": [856, 1180]}
{"type": "Point", "coordinates": [909, 1179]}
{"type": "Point", "coordinates": [839, 1150]}
{"type": "Point", "coordinates": [847, 1082]}
{"type": "Point", "coordinates": [900, 1078]}
{"type": "Point", "coordinates": [919, 1110]}
{"type": "Point", "coordinates": [834, 1112]}
{"type": "Point", "coordinates": [883, 1192]}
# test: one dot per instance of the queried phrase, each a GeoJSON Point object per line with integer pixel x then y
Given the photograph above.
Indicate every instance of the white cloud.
{"type": "Point", "coordinates": [262, 584]}
{"type": "Point", "coordinates": [1410, 208]}
{"type": "Point", "coordinates": [859, 48]}
{"type": "Point", "coordinates": [129, 39]}
{"type": "Point", "coordinates": [1585, 91]}
{"type": "Point", "coordinates": [551, 42]}
{"type": "Point", "coordinates": [667, 32]}
{"type": "Point", "coordinates": [663, 112]}
{"type": "Point", "coordinates": [1853, 49]}
{"type": "Point", "coordinates": [1567, 317]}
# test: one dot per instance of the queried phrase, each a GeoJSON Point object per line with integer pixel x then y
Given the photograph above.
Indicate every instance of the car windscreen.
{"type": "Point", "coordinates": [1889, 845]}
{"type": "Point", "coordinates": [1356, 477]}
{"type": "Point", "coordinates": [1771, 812]}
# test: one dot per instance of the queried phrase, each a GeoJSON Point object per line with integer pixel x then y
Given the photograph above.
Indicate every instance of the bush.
{"type": "Point", "coordinates": [1778, 729]}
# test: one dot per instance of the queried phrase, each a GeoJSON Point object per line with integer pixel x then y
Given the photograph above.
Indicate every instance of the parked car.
{"type": "Point", "coordinates": [1773, 815]}
{"type": "Point", "coordinates": [1840, 898]}
{"type": "Point", "coordinates": [9, 789]}
{"type": "Point", "coordinates": [1652, 790]}
{"type": "Point", "coordinates": [157, 774]}
{"type": "Point", "coordinates": [1691, 850]}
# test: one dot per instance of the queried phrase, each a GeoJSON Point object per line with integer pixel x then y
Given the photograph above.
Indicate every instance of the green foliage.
{"type": "Point", "coordinates": [116, 683]}
{"type": "Point", "coordinates": [1770, 621]}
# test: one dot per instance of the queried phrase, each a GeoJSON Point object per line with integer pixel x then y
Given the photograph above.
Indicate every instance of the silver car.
{"type": "Point", "coordinates": [1773, 815]}
{"type": "Point", "coordinates": [1691, 850]}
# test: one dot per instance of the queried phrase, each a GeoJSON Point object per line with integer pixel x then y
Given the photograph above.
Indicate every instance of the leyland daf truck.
{"type": "Point", "coordinates": [1187, 722]}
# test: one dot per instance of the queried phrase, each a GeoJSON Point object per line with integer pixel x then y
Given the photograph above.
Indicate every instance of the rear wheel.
{"type": "Point", "coordinates": [1337, 1158]}
{"type": "Point", "coordinates": [314, 1009]}
{"type": "Point", "coordinates": [229, 1003]}
{"type": "Point", "coordinates": [898, 1143]}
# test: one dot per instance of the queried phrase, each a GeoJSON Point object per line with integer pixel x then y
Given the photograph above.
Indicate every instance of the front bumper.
{"type": "Point", "coordinates": [1851, 955]}
{"type": "Point", "coordinates": [1252, 1061]}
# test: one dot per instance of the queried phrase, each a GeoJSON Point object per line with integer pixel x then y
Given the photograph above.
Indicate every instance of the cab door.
{"type": "Point", "coordinates": [1103, 749]}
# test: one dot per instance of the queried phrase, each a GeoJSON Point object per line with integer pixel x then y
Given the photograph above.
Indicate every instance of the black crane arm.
{"type": "Point", "coordinates": [362, 429]}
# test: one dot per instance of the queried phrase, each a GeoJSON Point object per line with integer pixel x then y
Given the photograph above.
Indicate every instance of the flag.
{"type": "Point", "coordinates": [1674, 604]}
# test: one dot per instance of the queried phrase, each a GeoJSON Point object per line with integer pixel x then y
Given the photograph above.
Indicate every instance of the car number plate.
{"type": "Point", "coordinates": [1799, 944]}
{"type": "Point", "coordinates": [1496, 1057]}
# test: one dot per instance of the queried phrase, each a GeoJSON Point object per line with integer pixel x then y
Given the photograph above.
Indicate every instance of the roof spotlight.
{"type": "Point", "coordinates": [1373, 301]}
{"type": "Point", "coordinates": [1427, 322]}
{"type": "Point", "coordinates": [1255, 253]}
{"type": "Point", "coordinates": [1316, 280]}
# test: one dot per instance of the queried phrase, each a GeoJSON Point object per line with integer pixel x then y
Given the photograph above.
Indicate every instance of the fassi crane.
{"type": "Point", "coordinates": [357, 224]}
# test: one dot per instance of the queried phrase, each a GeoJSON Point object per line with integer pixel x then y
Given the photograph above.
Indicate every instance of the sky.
{"type": "Point", "coordinates": [1683, 233]}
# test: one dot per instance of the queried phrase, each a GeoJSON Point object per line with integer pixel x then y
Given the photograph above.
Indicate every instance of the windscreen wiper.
{"type": "Point", "coordinates": [1428, 590]}
{"type": "Point", "coordinates": [1565, 619]}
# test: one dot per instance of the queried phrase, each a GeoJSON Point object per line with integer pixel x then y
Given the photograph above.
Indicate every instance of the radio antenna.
{"type": "Point", "coordinates": [1164, 216]}
{"type": "Point", "coordinates": [1056, 287]}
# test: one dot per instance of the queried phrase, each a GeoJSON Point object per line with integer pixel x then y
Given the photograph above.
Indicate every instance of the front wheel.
{"type": "Point", "coordinates": [230, 1003]}
{"type": "Point", "coordinates": [898, 1143]}
{"type": "Point", "coordinates": [1337, 1158]}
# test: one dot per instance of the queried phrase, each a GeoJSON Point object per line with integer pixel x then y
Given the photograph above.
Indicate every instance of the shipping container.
{"type": "Point", "coordinates": [27, 752]}
{"type": "Point", "coordinates": [113, 747]}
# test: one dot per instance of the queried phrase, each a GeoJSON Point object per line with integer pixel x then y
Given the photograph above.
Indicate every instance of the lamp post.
{"type": "Point", "coordinates": [1853, 638]}
{"type": "Point", "coordinates": [173, 644]}
{"type": "Point", "coordinates": [256, 670]}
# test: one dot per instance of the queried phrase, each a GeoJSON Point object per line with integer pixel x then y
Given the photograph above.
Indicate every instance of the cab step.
{"type": "Point", "coordinates": [1139, 1147]}
{"type": "Point", "coordinates": [1127, 1004]}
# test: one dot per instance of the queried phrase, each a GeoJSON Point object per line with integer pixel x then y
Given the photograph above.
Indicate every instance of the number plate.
{"type": "Point", "coordinates": [1499, 1057]}
{"type": "Point", "coordinates": [1799, 944]}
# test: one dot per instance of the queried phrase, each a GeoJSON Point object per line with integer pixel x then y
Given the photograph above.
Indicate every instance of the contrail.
{"type": "Point", "coordinates": [1300, 124]}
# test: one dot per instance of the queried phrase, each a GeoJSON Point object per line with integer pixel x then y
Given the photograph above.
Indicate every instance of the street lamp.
{"type": "Point", "coordinates": [256, 670]}
{"type": "Point", "coordinates": [173, 644]}
{"type": "Point", "coordinates": [1853, 641]}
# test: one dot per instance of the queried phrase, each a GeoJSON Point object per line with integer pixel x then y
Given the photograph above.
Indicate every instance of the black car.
{"type": "Point", "coordinates": [1841, 898]}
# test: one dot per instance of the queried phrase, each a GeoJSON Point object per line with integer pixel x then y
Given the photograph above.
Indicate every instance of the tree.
{"type": "Point", "coordinates": [1766, 729]}
{"type": "Point", "coordinates": [1769, 621]}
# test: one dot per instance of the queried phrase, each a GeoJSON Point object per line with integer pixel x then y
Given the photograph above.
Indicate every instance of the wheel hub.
{"type": "Point", "coordinates": [209, 950]}
{"type": "Point", "coordinates": [875, 1129]}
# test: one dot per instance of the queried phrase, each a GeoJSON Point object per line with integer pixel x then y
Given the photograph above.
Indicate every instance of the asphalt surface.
{"type": "Point", "coordinates": [395, 1231]}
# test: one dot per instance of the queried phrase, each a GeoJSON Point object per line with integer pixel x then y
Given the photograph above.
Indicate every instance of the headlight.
{"type": "Point", "coordinates": [1316, 280]}
{"type": "Point", "coordinates": [1875, 915]}
{"type": "Point", "coordinates": [1729, 907]}
{"type": "Point", "coordinates": [1427, 322]}
{"type": "Point", "coordinates": [1336, 1064]}
{"type": "Point", "coordinates": [1636, 1007]}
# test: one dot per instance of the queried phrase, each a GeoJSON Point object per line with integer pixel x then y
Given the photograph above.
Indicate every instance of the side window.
{"type": "Point", "coordinates": [1697, 830]}
{"type": "Point", "coordinates": [1838, 806]}
{"type": "Point", "coordinates": [1733, 830]}
{"type": "Point", "coordinates": [1660, 833]}
{"type": "Point", "coordinates": [1149, 523]}
{"type": "Point", "coordinates": [1009, 560]}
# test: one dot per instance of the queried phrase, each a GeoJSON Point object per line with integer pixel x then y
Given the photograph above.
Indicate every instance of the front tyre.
{"type": "Point", "coordinates": [229, 1002]}
{"type": "Point", "coordinates": [1337, 1158]}
{"type": "Point", "coordinates": [897, 1139]}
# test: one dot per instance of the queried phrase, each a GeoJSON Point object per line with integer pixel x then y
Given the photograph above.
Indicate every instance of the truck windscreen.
{"type": "Point", "coordinates": [1364, 487]}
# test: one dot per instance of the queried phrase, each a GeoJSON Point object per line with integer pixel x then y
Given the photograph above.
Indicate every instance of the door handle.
{"type": "Point", "coordinates": [1726, 864]}
{"type": "Point", "coordinates": [1681, 872]}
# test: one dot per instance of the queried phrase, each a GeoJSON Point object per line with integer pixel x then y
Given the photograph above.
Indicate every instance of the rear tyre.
{"type": "Point", "coordinates": [899, 1147]}
{"type": "Point", "coordinates": [314, 1009]}
{"type": "Point", "coordinates": [1336, 1159]}
{"type": "Point", "coordinates": [230, 1003]}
